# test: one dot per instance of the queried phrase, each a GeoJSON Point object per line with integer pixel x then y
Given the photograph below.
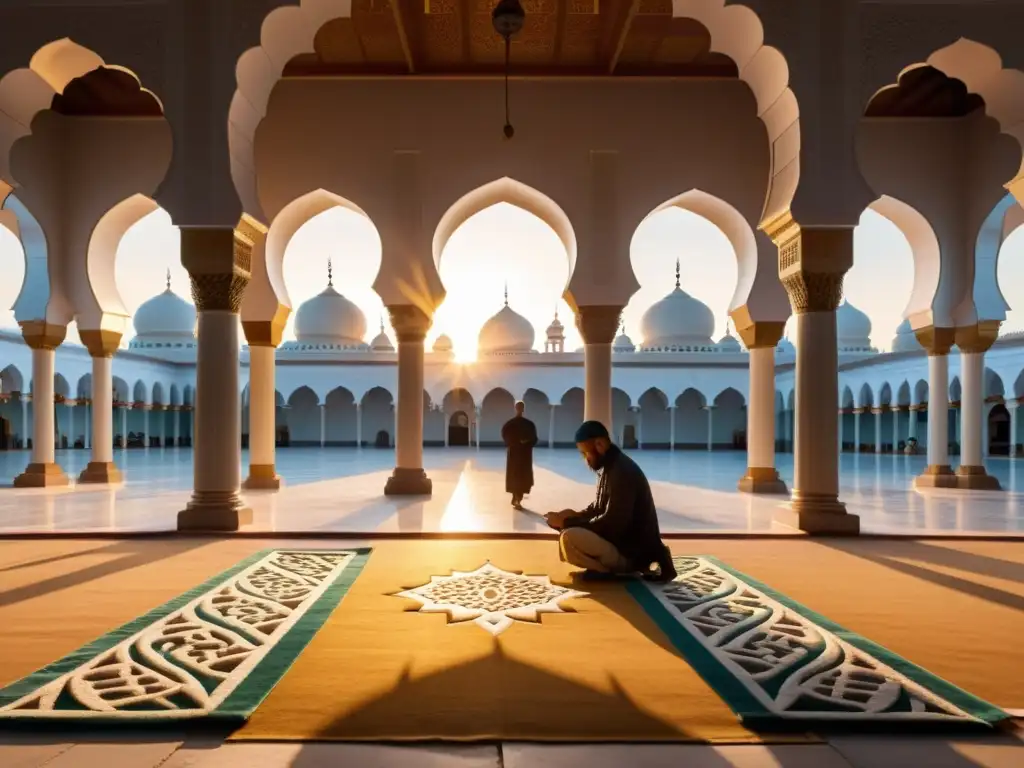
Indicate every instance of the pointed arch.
{"type": "Point", "coordinates": [924, 244]}
{"type": "Point", "coordinates": [505, 190]}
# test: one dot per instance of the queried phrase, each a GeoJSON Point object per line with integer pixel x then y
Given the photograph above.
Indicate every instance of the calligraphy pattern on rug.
{"type": "Point", "coordinates": [794, 668]}
{"type": "Point", "coordinates": [490, 597]}
{"type": "Point", "coordinates": [186, 663]}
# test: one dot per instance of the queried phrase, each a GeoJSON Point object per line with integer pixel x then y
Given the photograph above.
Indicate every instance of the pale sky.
{"type": "Point", "coordinates": [504, 243]}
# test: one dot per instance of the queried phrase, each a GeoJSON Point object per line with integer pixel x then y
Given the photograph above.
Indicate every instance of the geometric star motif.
{"type": "Point", "coordinates": [490, 597]}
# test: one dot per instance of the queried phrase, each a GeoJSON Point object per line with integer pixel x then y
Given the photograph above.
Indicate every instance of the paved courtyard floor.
{"type": "Point", "coordinates": [340, 490]}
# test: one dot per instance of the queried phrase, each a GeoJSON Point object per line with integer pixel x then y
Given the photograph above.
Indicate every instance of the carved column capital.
{"type": "Point", "coordinates": [266, 333]}
{"type": "Point", "coordinates": [812, 262]}
{"type": "Point", "coordinates": [935, 341]}
{"type": "Point", "coordinates": [410, 322]}
{"type": "Point", "coordinates": [598, 323]}
{"type": "Point", "coordinates": [218, 260]}
{"type": "Point", "coordinates": [978, 338]}
{"type": "Point", "coordinates": [757, 334]}
{"type": "Point", "coordinates": [39, 334]}
{"type": "Point", "coordinates": [100, 343]}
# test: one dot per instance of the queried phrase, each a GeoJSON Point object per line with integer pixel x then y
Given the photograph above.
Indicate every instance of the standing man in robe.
{"type": "Point", "coordinates": [519, 435]}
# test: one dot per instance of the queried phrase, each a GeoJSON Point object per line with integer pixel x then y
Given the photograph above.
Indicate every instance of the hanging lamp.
{"type": "Point", "coordinates": [508, 18]}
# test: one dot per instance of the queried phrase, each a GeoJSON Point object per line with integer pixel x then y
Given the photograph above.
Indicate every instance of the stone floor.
{"type": "Point", "coordinates": [1005, 751]}
{"type": "Point", "coordinates": [339, 490]}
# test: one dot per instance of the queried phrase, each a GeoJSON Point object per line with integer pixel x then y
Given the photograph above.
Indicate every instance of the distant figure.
{"type": "Point", "coordinates": [519, 435]}
{"type": "Point", "coordinates": [618, 534]}
{"type": "Point", "coordinates": [911, 447]}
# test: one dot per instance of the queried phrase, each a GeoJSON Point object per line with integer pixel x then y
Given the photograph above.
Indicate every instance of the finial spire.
{"type": "Point", "coordinates": [677, 274]}
{"type": "Point", "coordinates": [330, 274]}
{"type": "Point", "coordinates": [506, 293]}
{"type": "Point", "coordinates": [168, 278]}
{"type": "Point", "coordinates": [382, 323]}
{"type": "Point", "coordinates": [556, 311]}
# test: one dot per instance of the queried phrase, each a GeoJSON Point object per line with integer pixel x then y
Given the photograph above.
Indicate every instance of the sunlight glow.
{"type": "Point", "coordinates": [459, 514]}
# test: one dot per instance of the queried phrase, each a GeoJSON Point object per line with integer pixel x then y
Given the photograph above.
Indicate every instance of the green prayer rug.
{"type": "Point", "coordinates": [213, 653]}
{"type": "Point", "coordinates": [776, 663]}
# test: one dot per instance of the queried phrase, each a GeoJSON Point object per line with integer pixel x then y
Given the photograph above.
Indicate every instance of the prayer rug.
{"type": "Point", "coordinates": [779, 664]}
{"type": "Point", "coordinates": [213, 653]}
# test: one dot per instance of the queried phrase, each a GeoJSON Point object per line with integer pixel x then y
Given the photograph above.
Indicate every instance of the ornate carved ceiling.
{"type": "Point", "coordinates": [560, 37]}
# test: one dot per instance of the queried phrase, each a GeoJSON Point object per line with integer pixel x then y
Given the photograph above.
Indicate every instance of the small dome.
{"type": "Point", "coordinates": [330, 318]}
{"type": "Point", "coordinates": [853, 328]}
{"type": "Point", "coordinates": [905, 340]}
{"type": "Point", "coordinates": [623, 343]}
{"type": "Point", "coordinates": [729, 343]}
{"type": "Point", "coordinates": [785, 348]}
{"type": "Point", "coordinates": [443, 343]}
{"type": "Point", "coordinates": [556, 330]}
{"type": "Point", "coordinates": [166, 315]}
{"type": "Point", "coordinates": [506, 332]}
{"type": "Point", "coordinates": [381, 342]}
{"type": "Point", "coordinates": [678, 320]}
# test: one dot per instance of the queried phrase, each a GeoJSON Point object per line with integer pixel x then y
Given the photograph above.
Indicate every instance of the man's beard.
{"type": "Point", "coordinates": [598, 463]}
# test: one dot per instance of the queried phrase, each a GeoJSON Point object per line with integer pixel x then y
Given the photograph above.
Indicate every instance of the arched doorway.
{"type": "Point", "coordinates": [458, 429]}
{"type": "Point", "coordinates": [999, 431]}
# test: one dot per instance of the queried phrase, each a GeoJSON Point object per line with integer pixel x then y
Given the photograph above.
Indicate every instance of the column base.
{"type": "Point", "coordinates": [974, 478]}
{"type": "Point", "coordinates": [936, 476]}
{"type": "Point", "coordinates": [214, 511]}
{"type": "Point", "coordinates": [818, 515]}
{"type": "Point", "coordinates": [262, 477]}
{"type": "Point", "coordinates": [47, 475]}
{"type": "Point", "coordinates": [762, 480]}
{"type": "Point", "coordinates": [101, 472]}
{"type": "Point", "coordinates": [408, 482]}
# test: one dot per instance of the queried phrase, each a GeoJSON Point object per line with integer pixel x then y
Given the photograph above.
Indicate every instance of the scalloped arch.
{"type": "Point", "coordinates": [26, 92]}
{"type": "Point", "coordinates": [737, 32]}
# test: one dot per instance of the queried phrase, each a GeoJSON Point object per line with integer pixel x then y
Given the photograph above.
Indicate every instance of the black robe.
{"type": "Point", "coordinates": [519, 435]}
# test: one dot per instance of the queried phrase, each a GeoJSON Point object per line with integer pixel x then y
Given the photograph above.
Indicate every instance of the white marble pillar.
{"type": "Point", "coordinates": [711, 426]}
{"type": "Point", "coordinates": [218, 260]}
{"type": "Point", "coordinates": [359, 427]}
{"type": "Point", "coordinates": [176, 425]}
{"type": "Point", "coordinates": [672, 428]}
{"type": "Point", "coordinates": [639, 427]}
{"type": "Point", "coordinates": [839, 427]}
{"type": "Point", "coordinates": [42, 470]}
{"type": "Point", "coordinates": [761, 475]}
{"type": "Point", "coordinates": [551, 425]}
{"type": "Point", "coordinates": [971, 474]}
{"type": "Point", "coordinates": [146, 409]}
{"type": "Point", "coordinates": [88, 426]}
{"type": "Point", "coordinates": [856, 429]}
{"type": "Point", "coordinates": [878, 429]}
{"type": "Point", "coordinates": [895, 429]}
{"type": "Point", "coordinates": [70, 404]}
{"type": "Point", "coordinates": [323, 424]}
{"type": "Point", "coordinates": [598, 325]}
{"type": "Point", "coordinates": [411, 325]}
{"type": "Point", "coordinates": [262, 407]}
{"type": "Point", "coordinates": [477, 421]}
{"type": "Point", "coordinates": [26, 425]}
{"type": "Point", "coordinates": [124, 427]}
{"type": "Point", "coordinates": [1011, 407]}
{"type": "Point", "coordinates": [938, 473]}
{"type": "Point", "coordinates": [912, 420]}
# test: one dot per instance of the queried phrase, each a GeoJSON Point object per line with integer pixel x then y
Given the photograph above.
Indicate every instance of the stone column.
{"type": "Point", "coordinates": [42, 471]}
{"type": "Point", "coordinates": [102, 346]}
{"type": "Point", "coordinates": [839, 427]}
{"type": "Point", "coordinates": [25, 399]}
{"type": "Point", "coordinates": [597, 325]}
{"type": "Point", "coordinates": [411, 325]}
{"type": "Point", "coordinates": [895, 429]}
{"type": "Point", "coordinates": [711, 426]}
{"type": "Point", "coordinates": [639, 427]}
{"type": "Point", "coordinates": [477, 419]}
{"type": "Point", "coordinates": [146, 408]}
{"type": "Point", "coordinates": [323, 424]}
{"type": "Point", "coordinates": [176, 424]}
{"type": "Point", "coordinates": [263, 338]}
{"type": "Point", "coordinates": [359, 427]}
{"type": "Point", "coordinates": [761, 338]}
{"type": "Point", "coordinates": [218, 261]}
{"type": "Point", "coordinates": [672, 429]}
{"type": "Point", "coordinates": [88, 425]}
{"type": "Point", "coordinates": [551, 425]}
{"type": "Point", "coordinates": [878, 429]}
{"type": "Point", "coordinates": [912, 421]}
{"type": "Point", "coordinates": [787, 431]}
{"type": "Point", "coordinates": [812, 263]}
{"type": "Point", "coordinates": [856, 429]}
{"type": "Point", "coordinates": [1011, 406]}
{"type": "Point", "coordinates": [938, 474]}
{"type": "Point", "coordinates": [70, 405]}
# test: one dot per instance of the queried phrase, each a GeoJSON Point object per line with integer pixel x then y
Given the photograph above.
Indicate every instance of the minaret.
{"type": "Point", "coordinates": [555, 336]}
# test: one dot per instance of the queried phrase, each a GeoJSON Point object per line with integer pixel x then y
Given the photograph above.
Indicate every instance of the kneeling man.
{"type": "Point", "coordinates": [618, 534]}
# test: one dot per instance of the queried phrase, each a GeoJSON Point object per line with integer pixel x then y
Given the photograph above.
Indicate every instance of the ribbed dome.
{"type": "Point", "coordinates": [443, 343]}
{"type": "Point", "coordinates": [678, 320]}
{"type": "Point", "coordinates": [166, 315]}
{"type": "Point", "coordinates": [330, 318]}
{"type": "Point", "coordinates": [853, 328]}
{"type": "Point", "coordinates": [381, 342]}
{"type": "Point", "coordinates": [507, 332]}
{"type": "Point", "coordinates": [905, 340]}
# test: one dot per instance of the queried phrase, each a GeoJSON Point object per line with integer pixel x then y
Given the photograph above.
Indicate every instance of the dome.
{"type": "Point", "coordinates": [729, 343]}
{"type": "Point", "coordinates": [905, 340]}
{"type": "Point", "coordinates": [623, 343]}
{"type": "Point", "coordinates": [443, 343]}
{"type": "Point", "coordinates": [506, 332]}
{"type": "Point", "coordinates": [381, 342]}
{"type": "Point", "coordinates": [330, 318]}
{"type": "Point", "coordinates": [556, 330]}
{"type": "Point", "coordinates": [166, 315]}
{"type": "Point", "coordinates": [678, 320]}
{"type": "Point", "coordinates": [853, 328]}
{"type": "Point", "coordinates": [785, 348]}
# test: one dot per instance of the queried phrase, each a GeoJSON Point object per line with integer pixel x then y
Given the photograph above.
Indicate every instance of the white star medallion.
{"type": "Point", "coordinates": [490, 597]}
